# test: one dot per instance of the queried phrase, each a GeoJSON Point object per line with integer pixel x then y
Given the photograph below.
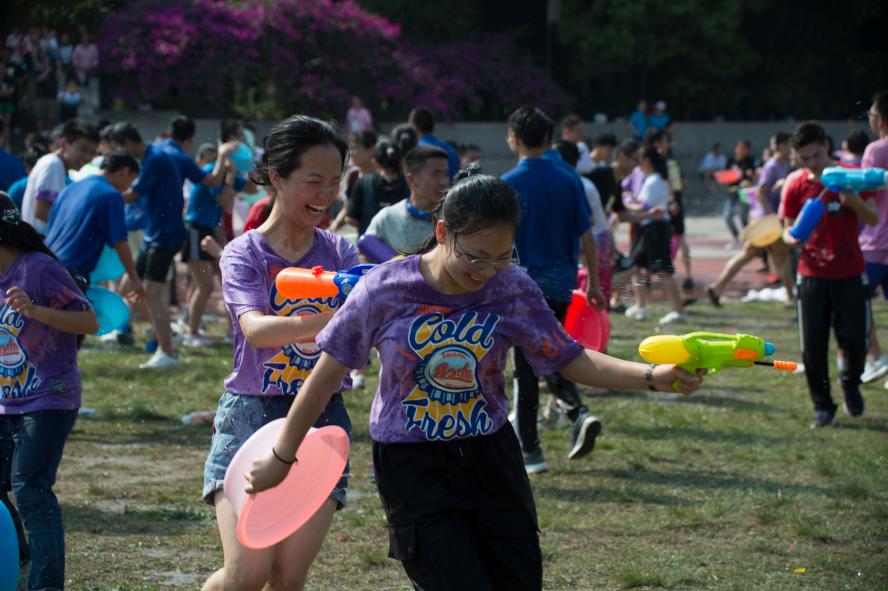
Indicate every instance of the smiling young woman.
{"type": "Point", "coordinates": [273, 355]}
{"type": "Point", "coordinates": [448, 465]}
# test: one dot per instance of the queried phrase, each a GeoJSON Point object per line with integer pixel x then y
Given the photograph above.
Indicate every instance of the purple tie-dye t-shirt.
{"type": "Point", "coordinates": [249, 267]}
{"type": "Point", "coordinates": [38, 364]}
{"type": "Point", "coordinates": [442, 357]}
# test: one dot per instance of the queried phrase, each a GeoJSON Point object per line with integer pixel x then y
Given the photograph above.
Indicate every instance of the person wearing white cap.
{"type": "Point", "coordinates": [660, 118]}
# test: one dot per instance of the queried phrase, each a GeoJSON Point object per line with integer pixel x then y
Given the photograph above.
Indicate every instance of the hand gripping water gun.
{"type": "Point", "coordinates": [711, 351]}
{"type": "Point", "coordinates": [297, 283]}
{"type": "Point", "coordinates": [854, 180]}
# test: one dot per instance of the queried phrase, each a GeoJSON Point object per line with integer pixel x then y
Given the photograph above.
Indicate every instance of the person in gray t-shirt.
{"type": "Point", "coordinates": [406, 225]}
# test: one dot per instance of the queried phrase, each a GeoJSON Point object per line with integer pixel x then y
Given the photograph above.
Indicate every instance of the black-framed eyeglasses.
{"type": "Point", "coordinates": [481, 265]}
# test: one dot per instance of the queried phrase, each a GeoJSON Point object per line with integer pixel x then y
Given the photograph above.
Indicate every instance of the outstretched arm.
{"type": "Point", "coordinates": [597, 369]}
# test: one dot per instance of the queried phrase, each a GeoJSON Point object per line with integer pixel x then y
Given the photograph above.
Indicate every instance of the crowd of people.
{"type": "Point", "coordinates": [472, 268]}
{"type": "Point", "coordinates": [48, 77]}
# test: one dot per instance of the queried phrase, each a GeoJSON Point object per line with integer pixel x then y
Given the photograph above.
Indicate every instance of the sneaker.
{"type": "Point", "coordinates": [110, 337]}
{"type": "Point", "coordinates": [823, 418]}
{"type": "Point", "coordinates": [618, 309]}
{"type": "Point", "coordinates": [534, 463]}
{"type": "Point", "coordinates": [196, 340]}
{"type": "Point", "coordinates": [358, 380]}
{"type": "Point", "coordinates": [582, 435]}
{"type": "Point", "coordinates": [636, 313]}
{"type": "Point", "coordinates": [713, 297]}
{"type": "Point", "coordinates": [552, 415]}
{"type": "Point", "coordinates": [853, 404]}
{"type": "Point", "coordinates": [160, 360]}
{"type": "Point", "coordinates": [674, 318]}
{"type": "Point", "coordinates": [874, 369]}
{"type": "Point", "coordinates": [687, 283]}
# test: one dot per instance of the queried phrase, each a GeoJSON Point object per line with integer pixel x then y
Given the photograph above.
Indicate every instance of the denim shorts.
{"type": "Point", "coordinates": [238, 417]}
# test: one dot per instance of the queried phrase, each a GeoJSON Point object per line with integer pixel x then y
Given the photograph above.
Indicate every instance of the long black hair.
{"type": "Point", "coordinates": [474, 203]}
{"type": "Point", "coordinates": [290, 139]}
{"type": "Point", "coordinates": [657, 161]}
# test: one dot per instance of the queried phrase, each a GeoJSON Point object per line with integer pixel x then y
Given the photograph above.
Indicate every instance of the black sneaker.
{"type": "Point", "coordinates": [534, 463]}
{"type": "Point", "coordinates": [713, 297]}
{"type": "Point", "coordinates": [582, 435]}
{"type": "Point", "coordinates": [823, 418]}
{"type": "Point", "coordinates": [853, 403]}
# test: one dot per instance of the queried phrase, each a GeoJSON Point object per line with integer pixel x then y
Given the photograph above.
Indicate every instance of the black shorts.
{"type": "Point", "coordinates": [154, 263]}
{"type": "Point", "coordinates": [461, 513]}
{"type": "Point", "coordinates": [653, 252]}
{"type": "Point", "coordinates": [677, 221]}
{"type": "Point", "coordinates": [191, 250]}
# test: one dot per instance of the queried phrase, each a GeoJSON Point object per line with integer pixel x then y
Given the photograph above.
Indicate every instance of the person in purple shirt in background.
{"type": "Point", "coordinates": [274, 352]}
{"type": "Point", "coordinates": [422, 120]}
{"type": "Point", "coordinates": [874, 239]}
{"type": "Point", "coordinates": [448, 465]}
{"type": "Point", "coordinates": [774, 172]}
{"type": "Point", "coordinates": [42, 313]}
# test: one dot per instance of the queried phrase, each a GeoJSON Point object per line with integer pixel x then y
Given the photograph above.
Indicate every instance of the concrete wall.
{"type": "Point", "coordinates": [691, 141]}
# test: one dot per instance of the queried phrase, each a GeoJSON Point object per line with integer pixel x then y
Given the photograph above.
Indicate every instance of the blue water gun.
{"type": "Point", "coordinates": [853, 180]}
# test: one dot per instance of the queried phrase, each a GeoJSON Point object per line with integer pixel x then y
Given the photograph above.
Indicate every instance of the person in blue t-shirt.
{"type": "Point", "coordinates": [555, 219]}
{"type": "Point", "coordinates": [181, 136]}
{"type": "Point", "coordinates": [159, 186]}
{"type": "Point", "coordinates": [88, 214]}
{"type": "Point", "coordinates": [11, 168]}
{"type": "Point", "coordinates": [203, 218]}
{"type": "Point", "coordinates": [16, 190]}
{"type": "Point", "coordinates": [422, 120]}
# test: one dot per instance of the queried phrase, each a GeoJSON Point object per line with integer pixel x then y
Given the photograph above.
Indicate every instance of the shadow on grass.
{"type": "Point", "coordinates": [699, 434]}
{"type": "Point", "coordinates": [709, 480]}
{"type": "Point", "coordinates": [132, 520]}
{"type": "Point", "coordinates": [605, 495]}
{"type": "Point", "coordinates": [147, 433]}
{"type": "Point", "coordinates": [864, 424]}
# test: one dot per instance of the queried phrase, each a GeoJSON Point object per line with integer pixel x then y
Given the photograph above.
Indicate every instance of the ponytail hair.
{"type": "Point", "coordinates": [475, 203]}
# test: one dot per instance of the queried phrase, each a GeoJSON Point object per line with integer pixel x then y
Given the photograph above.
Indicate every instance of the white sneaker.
{"type": "Point", "coordinates": [110, 337]}
{"type": "Point", "coordinates": [874, 369]}
{"type": "Point", "coordinates": [196, 340]}
{"type": "Point", "coordinates": [160, 360]}
{"type": "Point", "coordinates": [358, 380]}
{"type": "Point", "coordinates": [674, 317]}
{"type": "Point", "coordinates": [636, 313]}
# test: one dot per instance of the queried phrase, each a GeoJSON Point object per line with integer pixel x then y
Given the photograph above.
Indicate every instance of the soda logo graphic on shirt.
{"type": "Point", "coordinates": [18, 376]}
{"type": "Point", "coordinates": [289, 368]}
{"type": "Point", "coordinates": [447, 400]}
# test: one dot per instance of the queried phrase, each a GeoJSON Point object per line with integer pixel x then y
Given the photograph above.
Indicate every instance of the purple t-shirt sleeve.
{"type": "Point", "coordinates": [349, 335]}
{"type": "Point", "coordinates": [545, 344]}
{"type": "Point", "coordinates": [770, 175]}
{"type": "Point", "coordinates": [243, 280]}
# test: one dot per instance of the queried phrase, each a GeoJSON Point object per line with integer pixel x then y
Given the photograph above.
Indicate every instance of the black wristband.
{"type": "Point", "coordinates": [280, 459]}
{"type": "Point", "coordinates": [649, 376]}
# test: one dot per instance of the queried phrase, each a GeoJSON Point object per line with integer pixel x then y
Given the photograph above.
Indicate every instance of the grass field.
{"type": "Point", "coordinates": [727, 489]}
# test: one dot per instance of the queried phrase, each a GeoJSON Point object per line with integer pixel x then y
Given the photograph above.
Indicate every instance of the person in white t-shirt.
{"type": "Point", "coordinates": [572, 131]}
{"type": "Point", "coordinates": [77, 146]}
{"type": "Point", "coordinates": [652, 252]}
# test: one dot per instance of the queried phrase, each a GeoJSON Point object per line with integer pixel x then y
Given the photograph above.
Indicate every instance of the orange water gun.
{"type": "Point", "coordinates": [298, 283]}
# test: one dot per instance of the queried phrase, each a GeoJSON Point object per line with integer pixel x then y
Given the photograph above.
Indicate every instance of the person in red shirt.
{"type": "Point", "coordinates": [831, 290]}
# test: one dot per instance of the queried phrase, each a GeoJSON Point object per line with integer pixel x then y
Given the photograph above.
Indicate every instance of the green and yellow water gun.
{"type": "Point", "coordinates": [710, 351]}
